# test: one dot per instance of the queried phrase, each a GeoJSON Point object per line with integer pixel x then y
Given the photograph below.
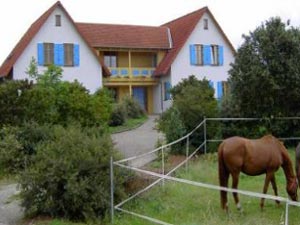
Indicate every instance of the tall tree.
{"type": "Point", "coordinates": [265, 77]}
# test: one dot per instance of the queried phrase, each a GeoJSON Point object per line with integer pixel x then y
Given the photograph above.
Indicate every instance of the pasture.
{"type": "Point", "coordinates": [178, 203]}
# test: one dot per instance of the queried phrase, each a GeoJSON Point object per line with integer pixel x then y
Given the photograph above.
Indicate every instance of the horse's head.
{"type": "Point", "coordinates": [292, 190]}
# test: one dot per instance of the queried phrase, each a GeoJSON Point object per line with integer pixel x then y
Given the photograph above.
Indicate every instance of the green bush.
{"type": "Point", "coordinates": [118, 116]}
{"type": "Point", "coordinates": [132, 107]}
{"type": "Point", "coordinates": [11, 151]}
{"type": "Point", "coordinates": [70, 176]}
{"type": "Point", "coordinates": [12, 104]}
{"type": "Point", "coordinates": [18, 145]}
{"type": "Point", "coordinates": [173, 127]}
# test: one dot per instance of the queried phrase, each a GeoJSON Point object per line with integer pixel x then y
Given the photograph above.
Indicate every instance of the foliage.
{"type": "Point", "coordinates": [18, 145]}
{"type": "Point", "coordinates": [12, 103]}
{"type": "Point", "coordinates": [102, 104]}
{"type": "Point", "coordinates": [173, 127]}
{"type": "Point", "coordinates": [265, 77]}
{"type": "Point", "coordinates": [132, 107]}
{"type": "Point", "coordinates": [118, 116]}
{"type": "Point", "coordinates": [52, 101]}
{"type": "Point", "coordinates": [193, 100]}
{"type": "Point", "coordinates": [70, 175]}
{"type": "Point", "coordinates": [127, 108]}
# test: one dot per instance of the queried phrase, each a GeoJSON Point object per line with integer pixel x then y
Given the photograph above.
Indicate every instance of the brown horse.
{"type": "Point", "coordinates": [254, 157]}
{"type": "Point", "coordinates": [297, 156]}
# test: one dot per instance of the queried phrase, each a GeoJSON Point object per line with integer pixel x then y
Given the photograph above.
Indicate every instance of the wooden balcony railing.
{"type": "Point", "coordinates": [132, 72]}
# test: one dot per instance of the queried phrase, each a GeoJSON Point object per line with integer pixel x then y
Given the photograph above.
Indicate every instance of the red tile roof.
{"type": "Point", "coordinates": [125, 36]}
{"type": "Point", "coordinates": [7, 65]}
{"type": "Point", "coordinates": [181, 28]}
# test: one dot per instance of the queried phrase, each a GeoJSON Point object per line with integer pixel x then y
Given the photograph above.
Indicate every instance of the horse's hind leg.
{"type": "Point", "coordinates": [274, 186]}
{"type": "Point", "coordinates": [224, 183]}
{"type": "Point", "coordinates": [235, 183]}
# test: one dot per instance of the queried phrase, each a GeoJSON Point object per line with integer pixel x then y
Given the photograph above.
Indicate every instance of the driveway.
{"type": "Point", "coordinates": [10, 209]}
{"type": "Point", "coordinates": [138, 141]}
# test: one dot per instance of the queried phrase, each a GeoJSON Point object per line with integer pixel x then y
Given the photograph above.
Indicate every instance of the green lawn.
{"type": "Point", "coordinates": [189, 205]}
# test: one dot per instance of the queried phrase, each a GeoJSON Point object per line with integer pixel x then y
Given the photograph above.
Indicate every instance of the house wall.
{"type": "Point", "coordinates": [181, 67]}
{"type": "Point", "coordinates": [159, 103]}
{"type": "Point", "coordinates": [89, 72]}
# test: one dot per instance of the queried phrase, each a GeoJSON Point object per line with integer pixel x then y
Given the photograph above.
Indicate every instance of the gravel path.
{"type": "Point", "coordinates": [137, 141]}
{"type": "Point", "coordinates": [10, 210]}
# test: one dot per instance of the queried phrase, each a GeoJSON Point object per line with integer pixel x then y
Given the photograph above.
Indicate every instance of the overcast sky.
{"type": "Point", "coordinates": [236, 17]}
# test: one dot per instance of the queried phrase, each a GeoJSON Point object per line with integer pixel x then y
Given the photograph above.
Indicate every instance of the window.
{"type": "Point", "coordinates": [214, 53]}
{"type": "Point", "coordinates": [58, 54]}
{"type": "Point", "coordinates": [58, 20]}
{"type": "Point", "coordinates": [48, 53]}
{"type": "Point", "coordinates": [68, 54]}
{"type": "Point", "coordinates": [110, 59]}
{"type": "Point", "coordinates": [199, 54]}
{"type": "Point", "coordinates": [222, 89]}
{"type": "Point", "coordinates": [205, 21]}
{"type": "Point", "coordinates": [206, 55]}
{"type": "Point", "coordinates": [167, 88]}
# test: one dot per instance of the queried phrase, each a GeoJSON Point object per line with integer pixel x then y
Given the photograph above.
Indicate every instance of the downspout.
{"type": "Point", "coordinates": [161, 97]}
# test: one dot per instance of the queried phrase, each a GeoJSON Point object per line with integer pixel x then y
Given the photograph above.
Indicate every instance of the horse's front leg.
{"type": "Point", "coordinates": [268, 178]}
{"type": "Point", "coordinates": [274, 186]}
{"type": "Point", "coordinates": [235, 183]}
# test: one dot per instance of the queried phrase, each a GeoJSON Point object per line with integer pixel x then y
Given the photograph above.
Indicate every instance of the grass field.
{"type": "Point", "coordinates": [189, 205]}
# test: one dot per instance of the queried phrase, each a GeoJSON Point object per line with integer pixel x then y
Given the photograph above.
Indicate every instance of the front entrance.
{"type": "Point", "coordinates": [140, 94]}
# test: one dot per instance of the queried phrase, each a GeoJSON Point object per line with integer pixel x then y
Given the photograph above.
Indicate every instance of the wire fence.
{"type": "Point", "coordinates": [190, 152]}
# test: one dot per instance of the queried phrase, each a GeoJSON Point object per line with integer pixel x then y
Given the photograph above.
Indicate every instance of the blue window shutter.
{"type": "Point", "coordinates": [76, 55]}
{"type": "Point", "coordinates": [59, 54]}
{"type": "Point", "coordinates": [211, 84]}
{"type": "Point", "coordinates": [220, 90]}
{"type": "Point", "coordinates": [221, 55]}
{"type": "Point", "coordinates": [40, 54]}
{"type": "Point", "coordinates": [193, 54]}
{"type": "Point", "coordinates": [206, 54]}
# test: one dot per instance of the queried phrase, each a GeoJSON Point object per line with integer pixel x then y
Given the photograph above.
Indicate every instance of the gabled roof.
{"type": "Point", "coordinates": [125, 36]}
{"type": "Point", "coordinates": [30, 33]}
{"type": "Point", "coordinates": [181, 28]}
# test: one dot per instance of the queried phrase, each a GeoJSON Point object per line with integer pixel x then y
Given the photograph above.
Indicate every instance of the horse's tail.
{"type": "Point", "coordinates": [223, 175]}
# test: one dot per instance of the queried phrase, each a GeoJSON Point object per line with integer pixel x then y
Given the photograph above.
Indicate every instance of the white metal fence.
{"type": "Point", "coordinates": [125, 163]}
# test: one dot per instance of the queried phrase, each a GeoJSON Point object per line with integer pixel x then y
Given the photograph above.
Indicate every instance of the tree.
{"type": "Point", "coordinates": [193, 100]}
{"type": "Point", "coordinates": [265, 77]}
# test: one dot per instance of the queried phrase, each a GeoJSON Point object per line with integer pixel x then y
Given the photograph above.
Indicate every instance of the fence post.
{"type": "Point", "coordinates": [187, 152]}
{"type": "Point", "coordinates": [112, 189]}
{"type": "Point", "coordinates": [163, 164]}
{"type": "Point", "coordinates": [204, 127]}
{"type": "Point", "coordinates": [287, 213]}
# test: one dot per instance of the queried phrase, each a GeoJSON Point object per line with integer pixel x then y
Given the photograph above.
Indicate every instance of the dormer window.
{"type": "Point", "coordinates": [205, 24]}
{"type": "Point", "coordinates": [58, 20]}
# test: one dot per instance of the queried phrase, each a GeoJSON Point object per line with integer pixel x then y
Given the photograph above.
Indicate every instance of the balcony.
{"type": "Point", "coordinates": [134, 72]}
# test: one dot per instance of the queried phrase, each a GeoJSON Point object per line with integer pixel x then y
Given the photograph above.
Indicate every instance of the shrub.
{"type": "Point", "coordinates": [173, 127]}
{"type": "Point", "coordinates": [12, 105]}
{"type": "Point", "coordinates": [11, 151]}
{"type": "Point", "coordinates": [18, 145]}
{"type": "Point", "coordinates": [132, 107]}
{"type": "Point", "coordinates": [70, 176]}
{"type": "Point", "coordinates": [118, 116]}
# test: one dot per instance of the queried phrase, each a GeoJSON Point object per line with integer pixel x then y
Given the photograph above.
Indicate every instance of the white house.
{"type": "Point", "coordinates": [141, 61]}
